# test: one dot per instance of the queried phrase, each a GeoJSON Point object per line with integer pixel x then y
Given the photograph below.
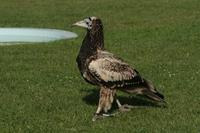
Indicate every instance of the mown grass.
{"type": "Point", "coordinates": [41, 89]}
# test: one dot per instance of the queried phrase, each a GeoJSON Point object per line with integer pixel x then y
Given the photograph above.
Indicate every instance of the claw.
{"type": "Point", "coordinates": [103, 115]}
{"type": "Point", "coordinates": [97, 116]}
{"type": "Point", "coordinates": [125, 108]}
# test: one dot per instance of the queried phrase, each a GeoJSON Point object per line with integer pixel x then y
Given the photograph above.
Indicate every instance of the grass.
{"type": "Point", "coordinates": [41, 89]}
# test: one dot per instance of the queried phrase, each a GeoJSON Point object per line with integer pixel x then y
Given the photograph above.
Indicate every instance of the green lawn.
{"type": "Point", "coordinates": [41, 89]}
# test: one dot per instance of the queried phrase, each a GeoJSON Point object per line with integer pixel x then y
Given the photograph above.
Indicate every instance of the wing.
{"type": "Point", "coordinates": [113, 72]}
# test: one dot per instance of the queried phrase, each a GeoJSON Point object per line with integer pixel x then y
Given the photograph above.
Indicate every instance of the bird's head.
{"type": "Point", "coordinates": [89, 23]}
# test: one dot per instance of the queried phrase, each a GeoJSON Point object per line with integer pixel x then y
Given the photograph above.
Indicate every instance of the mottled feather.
{"type": "Point", "coordinates": [113, 71]}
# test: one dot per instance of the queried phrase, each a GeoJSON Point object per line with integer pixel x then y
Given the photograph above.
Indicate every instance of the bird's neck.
{"type": "Point", "coordinates": [92, 42]}
{"type": "Point", "coordinates": [96, 39]}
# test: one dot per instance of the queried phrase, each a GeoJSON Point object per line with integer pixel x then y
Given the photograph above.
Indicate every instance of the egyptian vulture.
{"type": "Point", "coordinates": [102, 68]}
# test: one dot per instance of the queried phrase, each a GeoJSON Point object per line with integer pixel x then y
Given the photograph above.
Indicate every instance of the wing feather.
{"type": "Point", "coordinates": [110, 70]}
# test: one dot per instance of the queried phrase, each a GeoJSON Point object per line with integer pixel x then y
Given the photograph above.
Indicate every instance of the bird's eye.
{"type": "Point", "coordinates": [87, 23]}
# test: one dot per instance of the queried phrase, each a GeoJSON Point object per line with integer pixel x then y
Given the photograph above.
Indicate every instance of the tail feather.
{"type": "Point", "coordinates": [152, 93]}
{"type": "Point", "coordinates": [154, 96]}
{"type": "Point", "coordinates": [160, 95]}
{"type": "Point", "coordinates": [148, 89]}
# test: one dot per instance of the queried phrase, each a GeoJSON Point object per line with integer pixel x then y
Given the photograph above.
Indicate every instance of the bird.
{"type": "Point", "coordinates": [109, 72]}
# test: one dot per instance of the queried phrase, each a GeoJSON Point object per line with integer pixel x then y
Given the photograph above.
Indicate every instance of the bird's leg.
{"type": "Point", "coordinates": [123, 108]}
{"type": "Point", "coordinates": [105, 103]}
{"type": "Point", "coordinates": [98, 114]}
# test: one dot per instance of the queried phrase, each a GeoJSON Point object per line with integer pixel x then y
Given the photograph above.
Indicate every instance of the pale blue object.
{"type": "Point", "coordinates": [20, 35]}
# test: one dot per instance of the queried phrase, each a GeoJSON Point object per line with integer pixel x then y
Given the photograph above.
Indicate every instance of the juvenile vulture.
{"type": "Point", "coordinates": [102, 68]}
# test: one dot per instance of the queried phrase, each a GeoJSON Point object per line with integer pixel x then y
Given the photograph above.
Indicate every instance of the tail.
{"type": "Point", "coordinates": [156, 96]}
{"type": "Point", "coordinates": [152, 93]}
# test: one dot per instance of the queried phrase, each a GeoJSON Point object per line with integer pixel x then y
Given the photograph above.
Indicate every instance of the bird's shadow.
{"type": "Point", "coordinates": [92, 98]}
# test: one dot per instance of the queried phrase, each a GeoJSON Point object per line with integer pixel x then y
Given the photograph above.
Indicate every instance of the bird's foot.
{"type": "Point", "coordinates": [125, 108]}
{"type": "Point", "coordinates": [102, 115]}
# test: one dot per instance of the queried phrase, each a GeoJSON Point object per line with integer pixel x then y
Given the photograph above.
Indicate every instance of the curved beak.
{"type": "Point", "coordinates": [81, 24]}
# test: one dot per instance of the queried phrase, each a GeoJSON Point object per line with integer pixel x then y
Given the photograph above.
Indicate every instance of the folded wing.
{"type": "Point", "coordinates": [113, 72]}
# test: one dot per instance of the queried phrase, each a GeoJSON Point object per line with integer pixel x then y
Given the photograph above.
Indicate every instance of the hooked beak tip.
{"type": "Point", "coordinates": [80, 24]}
{"type": "Point", "coordinates": [73, 25]}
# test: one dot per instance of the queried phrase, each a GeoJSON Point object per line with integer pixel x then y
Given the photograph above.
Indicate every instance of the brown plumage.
{"type": "Point", "coordinates": [102, 68]}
